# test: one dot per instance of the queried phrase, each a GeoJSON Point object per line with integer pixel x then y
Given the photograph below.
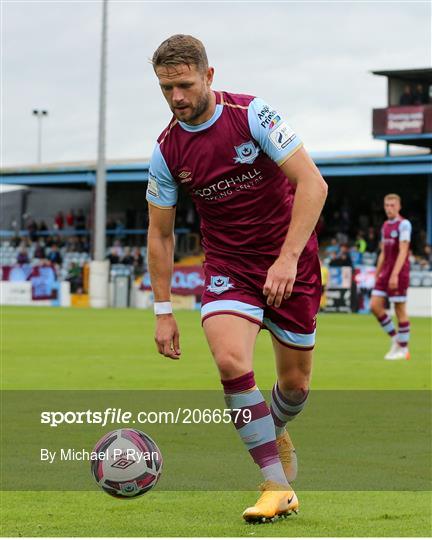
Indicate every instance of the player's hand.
{"type": "Point", "coordinates": [393, 281]}
{"type": "Point", "coordinates": [167, 336]}
{"type": "Point", "coordinates": [280, 280]}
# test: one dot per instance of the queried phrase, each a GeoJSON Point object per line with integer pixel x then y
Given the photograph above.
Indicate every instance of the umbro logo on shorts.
{"type": "Point", "coordinates": [219, 284]}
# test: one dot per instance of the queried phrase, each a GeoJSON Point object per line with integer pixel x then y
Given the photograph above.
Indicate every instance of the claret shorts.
{"type": "Point", "coordinates": [232, 288]}
{"type": "Point", "coordinates": [394, 295]}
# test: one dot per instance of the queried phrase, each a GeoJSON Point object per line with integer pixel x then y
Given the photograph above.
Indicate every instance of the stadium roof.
{"type": "Point", "coordinates": [413, 75]}
{"type": "Point", "coordinates": [375, 165]}
{"type": "Point", "coordinates": [70, 165]}
{"type": "Point", "coordinates": [79, 172]}
{"type": "Point", "coordinates": [136, 170]}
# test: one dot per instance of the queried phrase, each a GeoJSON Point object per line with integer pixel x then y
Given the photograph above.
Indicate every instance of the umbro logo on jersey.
{"type": "Point", "coordinates": [219, 284]}
{"type": "Point", "coordinates": [185, 176]}
{"type": "Point", "coordinates": [246, 153]}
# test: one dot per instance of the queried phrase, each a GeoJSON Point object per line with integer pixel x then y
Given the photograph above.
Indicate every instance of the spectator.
{"type": "Point", "coordinates": [360, 243]}
{"type": "Point", "coordinates": [138, 261]}
{"type": "Point", "coordinates": [426, 257]}
{"type": "Point", "coordinates": [15, 241]}
{"type": "Point", "coordinates": [419, 97]}
{"type": "Point", "coordinates": [23, 242]}
{"type": "Point", "coordinates": [343, 258]}
{"type": "Point", "coordinates": [113, 257]}
{"type": "Point", "coordinates": [74, 276]}
{"type": "Point", "coordinates": [371, 241]}
{"type": "Point", "coordinates": [54, 255]}
{"type": "Point", "coordinates": [14, 226]}
{"type": "Point", "coordinates": [49, 241]}
{"type": "Point", "coordinates": [32, 229]}
{"type": "Point", "coordinates": [83, 244]}
{"type": "Point", "coordinates": [333, 247]}
{"type": "Point", "coordinates": [58, 240]}
{"type": "Point", "coordinates": [59, 221]}
{"type": "Point", "coordinates": [80, 221]}
{"type": "Point", "coordinates": [22, 257]}
{"type": "Point", "coordinates": [356, 256]}
{"type": "Point", "coordinates": [328, 261]}
{"type": "Point", "coordinates": [407, 96]}
{"type": "Point", "coordinates": [127, 257]}
{"type": "Point", "coordinates": [39, 252]}
{"type": "Point", "coordinates": [118, 248]}
{"type": "Point", "coordinates": [72, 244]}
{"type": "Point", "coordinates": [77, 244]}
{"type": "Point", "coordinates": [70, 219]}
{"type": "Point", "coordinates": [342, 237]}
{"type": "Point", "coordinates": [42, 226]}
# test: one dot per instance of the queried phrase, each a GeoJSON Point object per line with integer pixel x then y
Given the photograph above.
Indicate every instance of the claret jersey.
{"type": "Point", "coordinates": [230, 167]}
{"type": "Point", "coordinates": [394, 231]}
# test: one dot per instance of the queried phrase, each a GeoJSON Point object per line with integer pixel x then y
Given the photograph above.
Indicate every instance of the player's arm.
{"type": "Point", "coordinates": [400, 260]}
{"type": "Point", "coordinates": [380, 261]}
{"type": "Point", "coordinates": [162, 198]}
{"type": "Point", "coordinates": [309, 200]}
{"type": "Point", "coordinates": [404, 241]}
{"type": "Point", "coordinates": [282, 145]}
{"type": "Point", "coordinates": [160, 250]}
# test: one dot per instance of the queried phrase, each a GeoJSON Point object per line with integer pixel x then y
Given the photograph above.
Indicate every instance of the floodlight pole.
{"type": "Point", "coordinates": [99, 267]}
{"type": "Point", "coordinates": [39, 113]}
{"type": "Point", "coordinates": [100, 198]}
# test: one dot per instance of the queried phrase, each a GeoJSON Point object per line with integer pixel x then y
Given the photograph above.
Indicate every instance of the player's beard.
{"type": "Point", "coordinates": [198, 110]}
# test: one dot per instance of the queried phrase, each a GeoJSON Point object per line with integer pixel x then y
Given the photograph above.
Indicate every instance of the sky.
{"type": "Point", "coordinates": [311, 61]}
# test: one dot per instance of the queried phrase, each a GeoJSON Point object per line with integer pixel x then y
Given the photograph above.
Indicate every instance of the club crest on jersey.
{"type": "Point", "coordinates": [246, 153]}
{"type": "Point", "coordinates": [394, 234]}
{"type": "Point", "coordinates": [219, 284]}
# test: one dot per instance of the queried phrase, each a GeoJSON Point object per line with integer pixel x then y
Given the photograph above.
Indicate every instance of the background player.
{"type": "Point", "coordinates": [392, 277]}
{"type": "Point", "coordinates": [234, 155]}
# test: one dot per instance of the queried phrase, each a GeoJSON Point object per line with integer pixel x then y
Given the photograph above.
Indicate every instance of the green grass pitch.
{"type": "Point", "coordinates": [52, 348]}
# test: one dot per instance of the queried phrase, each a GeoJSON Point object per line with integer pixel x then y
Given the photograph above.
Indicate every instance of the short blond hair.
{"type": "Point", "coordinates": [181, 49]}
{"type": "Point", "coordinates": [393, 196]}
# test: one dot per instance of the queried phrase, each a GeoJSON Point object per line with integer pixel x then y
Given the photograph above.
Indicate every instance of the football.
{"type": "Point", "coordinates": [126, 463]}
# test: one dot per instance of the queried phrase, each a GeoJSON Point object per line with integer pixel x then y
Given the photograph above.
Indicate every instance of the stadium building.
{"type": "Point", "coordinates": [357, 184]}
